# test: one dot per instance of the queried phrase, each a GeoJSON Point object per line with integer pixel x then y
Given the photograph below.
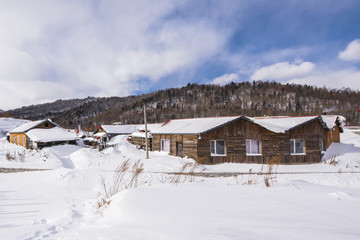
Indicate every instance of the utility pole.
{"type": "Point", "coordinates": [146, 133]}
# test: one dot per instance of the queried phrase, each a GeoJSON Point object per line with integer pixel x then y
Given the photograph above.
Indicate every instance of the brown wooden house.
{"type": "Point", "coordinates": [40, 134]}
{"type": "Point", "coordinates": [242, 139]}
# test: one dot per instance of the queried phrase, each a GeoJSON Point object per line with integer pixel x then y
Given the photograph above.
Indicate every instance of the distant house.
{"type": "Point", "coordinates": [242, 139]}
{"type": "Point", "coordinates": [39, 134]}
{"type": "Point", "coordinates": [138, 137]}
{"type": "Point", "coordinates": [105, 132]}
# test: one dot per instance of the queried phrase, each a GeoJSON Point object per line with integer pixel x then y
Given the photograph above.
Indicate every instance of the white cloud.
{"type": "Point", "coordinates": [306, 73]}
{"type": "Point", "coordinates": [226, 78]}
{"type": "Point", "coordinates": [348, 78]}
{"type": "Point", "coordinates": [352, 51]}
{"type": "Point", "coordinates": [75, 49]}
{"type": "Point", "coordinates": [283, 70]}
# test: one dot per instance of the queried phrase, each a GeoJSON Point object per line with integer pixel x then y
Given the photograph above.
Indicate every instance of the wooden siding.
{"type": "Point", "coordinates": [141, 142]}
{"type": "Point", "coordinates": [333, 135]}
{"type": "Point", "coordinates": [21, 139]}
{"type": "Point", "coordinates": [46, 124]}
{"type": "Point", "coordinates": [189, 144]}
{"type": "Point", "coordinates": [275, 147]}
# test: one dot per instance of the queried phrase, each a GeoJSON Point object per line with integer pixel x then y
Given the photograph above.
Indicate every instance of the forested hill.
{"type": "Point", "coordinates": [244, 98]}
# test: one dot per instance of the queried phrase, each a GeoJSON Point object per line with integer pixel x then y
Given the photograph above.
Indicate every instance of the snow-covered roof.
{"type": "Point", "coordinates": [119, 129]}
{"type": "Point", "coordinates": [29, 125]}
{"type": "Point", "coordinates": [141, 134]}
{"type": "Point", "coordinates": [276, 124]}
{"type": "Point", "coordinates": [54, 134]}
{"type": "Point", "coordinates": [281, 124]}
{"type": "Point", "coordinates": [150, 126]}
{"type": "Point", "coordinates": [330, 121]}
{"type": "Point", "coordinates": [100, 134]}
{"type": "Point", "coordinates": [193, 125]}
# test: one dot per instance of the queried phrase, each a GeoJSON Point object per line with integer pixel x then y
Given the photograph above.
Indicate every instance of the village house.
{"type": "Point", "coordinates": [138, 137]}
{"type": "Point", "coordinates": [242, 139]}
{"type": "Point", "coordinates": [105, 132]}
{"type": "Point", "coordinates": [39, 134]}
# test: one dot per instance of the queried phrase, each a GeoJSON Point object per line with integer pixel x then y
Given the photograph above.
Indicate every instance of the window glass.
{"type": "Point", "coordinates": [253, 146]}
{"type": "Point", "coordinates": [217, 147]}
{"type": "Point", "coordinates": [220, 147]}
{"type": "Point", "coordinates": [297, 146]}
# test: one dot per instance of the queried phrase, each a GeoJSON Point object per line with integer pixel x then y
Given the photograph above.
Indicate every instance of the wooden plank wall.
{"type": "Point", "coordinates": [43, 125]}
{"type": "Point", "coordinates": [333, 136]}
{"type": "Point", "coordinates": [189, 144]}
{"type": "Point", "coordinates": [275, 147]}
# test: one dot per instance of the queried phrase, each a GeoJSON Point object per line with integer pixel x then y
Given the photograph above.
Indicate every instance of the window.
{"type": "Point", "coordinates": [165, 145]}
{"type": "Point", "coordinates": [217, 147]}
{"type": "Point", "coordinates": [14, 139]}
{"type": "Point", "coordinates": [297, 146]}
{"type": "Point", "coordinates": [322, 146]}
{"type": "Point", "coordinates": [18, 139]}
{"type": "Point", "coordinates": [253, 147]}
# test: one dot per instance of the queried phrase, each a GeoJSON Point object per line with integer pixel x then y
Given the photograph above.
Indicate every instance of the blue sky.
{"type": "Point", "coordinates": [77, 48]}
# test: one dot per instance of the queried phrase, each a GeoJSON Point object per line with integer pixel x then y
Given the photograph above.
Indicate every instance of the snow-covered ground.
{"type": "Point", "coordinates": [312, 201]}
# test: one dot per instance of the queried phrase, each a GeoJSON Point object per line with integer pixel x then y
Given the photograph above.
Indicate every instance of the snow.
{"type": "Point", "coordinates": [29, 125]}
{"type": "Point", "coordinates": [281, 124]}
{"type": "Point", "coordinates": [50, 135]}
{"type": "Point", "coordinates": [141, 134]}
{"type": "Point", "coordinates": [330, 121]}
{"type": "Point", "coordinates": [119, 129]}
{"type": "Point", "coordinates": [150, 126]}
{"type": "Point", "coordinates": [6, 124]}
{"type": "Point", "coordinates": [311, 201]}
{"type": "Point", "coordinates": [193, 125]}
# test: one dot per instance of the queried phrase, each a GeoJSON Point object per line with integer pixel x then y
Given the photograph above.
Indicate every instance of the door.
{"type": "Point", "coordinates": [179, 149]}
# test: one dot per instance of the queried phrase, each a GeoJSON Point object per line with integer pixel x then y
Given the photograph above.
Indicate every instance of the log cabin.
{"type": "Point", "coordinates": [39, 134]}
{"type": "Point", "coordinates": [241, 139]}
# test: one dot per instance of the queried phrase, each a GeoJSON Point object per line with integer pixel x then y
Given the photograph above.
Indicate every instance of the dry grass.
{"type": "Point", "coordinates": [185, 173]}
{"type": "Point", "coordinates": [18, 156]}
{"type": "Point", "coordinates": [125, 177]}
{"type": "Point", "coordinates": [333, 161]}
{"type": "Point", "coordinates": [270, 175]}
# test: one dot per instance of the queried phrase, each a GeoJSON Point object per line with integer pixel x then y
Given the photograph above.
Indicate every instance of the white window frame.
{"type": "Point", "coordinates": [217, 154]}
{"type": "Point", "coordinates": [162, 144]}
{"type": "Point", "coordinates": [322, 146]}
{"type": "Point", "coordinates": [293, 142]}
{"type": "Point", "coordinates": [18, 139]}
{"type": "Point", "coordinates": [253, 154]}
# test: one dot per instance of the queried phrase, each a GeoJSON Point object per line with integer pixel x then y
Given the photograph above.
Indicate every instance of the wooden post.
{"type": "Point", "coordinates": [146, 134]}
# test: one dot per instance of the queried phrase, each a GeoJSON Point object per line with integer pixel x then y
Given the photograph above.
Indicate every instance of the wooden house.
{"type": "Point", "coordinates": [105, 132]}
{"type": "Point", "coordinates": [39, 134]}
{"type": "Point", "coordinates": [138, 137]}
{"type": "Point", "coordinates": [242, 139]}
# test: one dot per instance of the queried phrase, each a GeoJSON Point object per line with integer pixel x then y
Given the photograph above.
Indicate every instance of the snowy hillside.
{"type": "Point", "coordinates": [6, 124]}
{"type": "Point", "coordinates": [226, 201]}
